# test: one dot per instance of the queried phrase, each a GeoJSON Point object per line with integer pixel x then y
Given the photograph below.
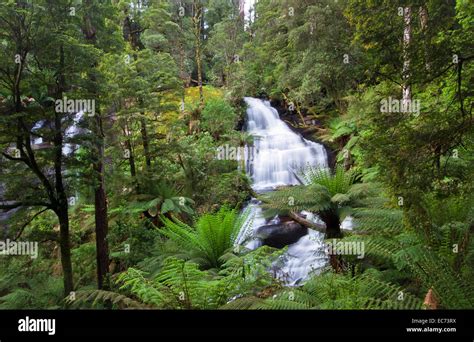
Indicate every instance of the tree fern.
{"type": "Point", "coordinates": [326, 193]}
{"type": "Point", "coordinates": [435, 272]}
{"type": "Point", "coordinates": [435, 262]}
{"type": "Point", "coordinates": [97, 299]}
{"type": "Point", "coordinates": [181, 284]}
{"type": "Point", "coordinates": [337, 182]}
{"type": "Point", "coordinates": [335, 291]}
{"type": "Point", "coordinates": [211, 237]}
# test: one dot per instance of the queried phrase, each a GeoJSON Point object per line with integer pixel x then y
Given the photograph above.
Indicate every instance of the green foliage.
{"type": "Point", "coordinates": [180, 284]}
{"type": "Point", "coordinates": [226, 39]}
{"type": "Point", "coordinates": [130, 242]}
{"type": "Point", "coordinates": [212, 236]}
{"type": "Point", "coordinates": [338, 182]}
{"type": "Point", "coordinates": [336, 291]}
{"type": "Point", "coordinates": [440, 260]}
{"type": "Point", "coordinates": [28, 284]}
{"type": "Point", "coordinates": [160, 198]}
{"type": "Point", "coordinates": [218, 117]}
{"type": "Point", "coordinates": [84, 259]}
{"type": "Point", "coordinates": [329, 194]}
{"type": "Point", "coordinates": [99, 298]}
{"type": "Point", "coordinates": [409, 188]}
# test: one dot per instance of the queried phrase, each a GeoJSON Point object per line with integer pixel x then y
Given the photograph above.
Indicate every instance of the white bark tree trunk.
{"type": "Point", "coordinates": [407, 33]}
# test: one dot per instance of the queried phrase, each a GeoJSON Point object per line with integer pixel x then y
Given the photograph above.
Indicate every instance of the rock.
{"type": "Point", "coordinates": [285, 219]}
{"type": "Point", "coordinates": [282, 234]}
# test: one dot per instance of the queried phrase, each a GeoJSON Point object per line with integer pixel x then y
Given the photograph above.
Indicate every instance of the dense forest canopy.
{"type": "Point", "coordinates": [113, 114]}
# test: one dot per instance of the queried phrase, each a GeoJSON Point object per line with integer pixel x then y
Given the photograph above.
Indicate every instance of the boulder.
{"type": "Point", "coordinates": [282, 234]}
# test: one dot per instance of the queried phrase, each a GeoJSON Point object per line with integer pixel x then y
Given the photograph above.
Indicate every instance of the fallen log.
{"type": "Point", "coordinates": [318, 226]}
{"type": "Point", "coordinates": [306, 223]}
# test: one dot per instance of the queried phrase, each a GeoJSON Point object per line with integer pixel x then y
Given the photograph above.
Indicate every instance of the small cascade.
{"type": "Point", "coordinates": [277, 153]}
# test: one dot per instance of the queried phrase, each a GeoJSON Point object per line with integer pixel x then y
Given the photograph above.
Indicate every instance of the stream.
{"type": "Point", "coordinates": [277, 152]}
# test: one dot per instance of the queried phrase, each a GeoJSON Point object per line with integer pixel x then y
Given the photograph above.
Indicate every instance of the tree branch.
{"type": "Point", "coordinates": [28, 222]}
{"type": "Point", "coordinates": [9, 205]}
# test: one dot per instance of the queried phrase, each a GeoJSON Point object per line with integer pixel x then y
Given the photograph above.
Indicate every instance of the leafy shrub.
{"type": "Point", "coordinates": [212, 236]}
{"type": "Point", "coordinates": [130, 242]}
{"type": "Point", "coordinates": [218, 117]}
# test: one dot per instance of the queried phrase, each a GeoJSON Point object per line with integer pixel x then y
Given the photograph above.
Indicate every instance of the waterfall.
{"type": "Point", "coordinates": [277, 152]}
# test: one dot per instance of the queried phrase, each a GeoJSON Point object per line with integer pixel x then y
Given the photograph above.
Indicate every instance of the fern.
{"type": "Point", "coordinates": [95, 298]}
{"type": "Point", "coordinates": [160, 198]}
{"type": "Point", "coordinates": [213, 235]}
{"type": "Point", "coordinates": [33, 290]}
{"type": "Point", "coordinates": [335, 291]}
{"type": "Point", "coordinates": [180, 284]}
{"type": "Point", "coordinates": [432, 262]}
{"type": "Point", "coordinates": [337, 182]}
{"type": "Point", "coordinates": [322, 190]}
{"type": "Point", "coordinates": [435, 272]}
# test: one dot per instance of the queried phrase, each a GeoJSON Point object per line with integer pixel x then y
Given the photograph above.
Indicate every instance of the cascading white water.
{"type": "Point", "coordinates": [277, 149]}
{"type": "Point", "coordinates": [277, 153]}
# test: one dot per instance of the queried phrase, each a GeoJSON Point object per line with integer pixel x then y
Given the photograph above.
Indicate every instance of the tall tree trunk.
{"type": "Point", "coordinates": [197, 24]}
{"type": "Point", "coordinates": [424, 29]}
{"type": "Point", "coordinates": [145, 142]}
{"type": "Point", "coordinates": [100, 205]}
{"type": "Point", "coordinates": [134, 40]}
{"type": "Point", "coordinates": [131, 157]}
{"type": "Point", "coordinates": [407, 32]}
{"type": "Point", "coordinates": [242, 9]}
{"type": "Point", "coordinates": [62, 202]}
{"type": "Point", "coordinates": [131, 160]}
{"type": "Point", "coordinates": [62, 210]}
{"type": "Point", "coordinates": [182, 73]}
{"type": "Point", "coordinates": [65, 248]}
{"type": "Point", "coordinates": [101, 220]}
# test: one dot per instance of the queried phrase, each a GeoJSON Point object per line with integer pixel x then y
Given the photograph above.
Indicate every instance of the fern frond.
{"type": "Point", "coordinates": [94, 297]}
{"type": "Point", "coordinates": [213, 235]}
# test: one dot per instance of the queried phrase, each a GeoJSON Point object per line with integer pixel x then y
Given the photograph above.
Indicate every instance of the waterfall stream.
{"type": "Point", "coordinates": [277, 152]}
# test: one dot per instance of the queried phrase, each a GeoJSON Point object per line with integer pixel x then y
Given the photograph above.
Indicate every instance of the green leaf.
{"type": "Point", "coordinates": [168, 205]}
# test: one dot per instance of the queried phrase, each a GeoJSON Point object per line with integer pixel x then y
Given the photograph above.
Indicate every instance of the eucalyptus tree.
{"type": "Point", "coordinates": [39, 40]}
{"type": "Point", "coordinates": [101, 36]}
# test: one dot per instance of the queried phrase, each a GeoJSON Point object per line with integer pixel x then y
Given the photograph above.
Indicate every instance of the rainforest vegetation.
{"type": "Point", "coordinates": [111, 113]}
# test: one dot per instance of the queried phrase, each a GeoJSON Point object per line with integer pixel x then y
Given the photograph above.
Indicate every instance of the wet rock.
{"type": "Point", "coordinates": [282, 234]}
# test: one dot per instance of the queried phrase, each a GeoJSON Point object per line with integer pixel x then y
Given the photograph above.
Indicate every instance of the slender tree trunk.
{"type": "Point", "coordinates": [65, 248]}
{"type": "Point", "coordinates": [242, 9]}
{"type": "Point", "coordinates": [62, 211]}
{"type": "Point", "coordinates": [197, 28]}
{"type": "Point", "coordinates": [100, 205]}
{"type": "Point", "coordinates": [134, 41]}
{"type": "Point", "coordinates": [424, 29]}
{"type": "Point", "coordinates": [182, 73]}
{"type": "Point", "coordinates": [62, 202]}
{"type": "Point", "coordinates": [128, 146]}
{"type": "Point", "coordinates": [197, 23]}
{"type": "Point", "coordinates": [407, 32]}
{"type": "Point", "coordinates": [131, 157]}
{"type": "Point", "coordinates": [145, 142]}
{"type": "Point", "coordinates": [101, 220]}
